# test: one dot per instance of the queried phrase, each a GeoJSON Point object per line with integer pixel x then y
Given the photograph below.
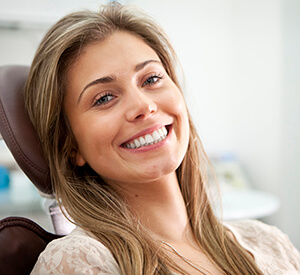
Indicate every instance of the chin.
{"type": "Point", "coordinates": [158, 171]}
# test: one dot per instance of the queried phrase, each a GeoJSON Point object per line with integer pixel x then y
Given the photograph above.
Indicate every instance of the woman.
{"type": "Point", "coordinates": [126, 162]}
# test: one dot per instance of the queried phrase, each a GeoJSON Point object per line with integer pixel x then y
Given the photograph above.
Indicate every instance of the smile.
{"type": "Point", "coordinates": [149, 139]}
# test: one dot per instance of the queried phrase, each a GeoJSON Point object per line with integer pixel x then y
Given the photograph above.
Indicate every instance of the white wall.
{"type": "Point", "coordinates": [290, 120]}
{"type": "Point", "coordinates": [241, 63]}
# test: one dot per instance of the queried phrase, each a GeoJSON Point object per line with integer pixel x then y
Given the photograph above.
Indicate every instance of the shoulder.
{"type": "Point", "coordinates": [76, 253]}
{"type": "Point", "coordinates": [271, 248]}
{"type": "Point", "coordinates": [253, 229]}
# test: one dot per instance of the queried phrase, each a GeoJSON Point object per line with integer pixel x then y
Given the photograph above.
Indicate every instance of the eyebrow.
{"type": "Point", "coordinates": [106, 79]}
{"type": "Point", "coordinates": [109, 79]}
{"type": "Point", "coordinates": [140, 66]}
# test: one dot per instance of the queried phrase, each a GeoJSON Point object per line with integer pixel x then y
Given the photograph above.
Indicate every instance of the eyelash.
{"type": "Point", "coordinates": [155, 76]}
{"type": "Point", "coordinates": [148, 82]}
{"type": "Point", "coordinates": [106, 95]}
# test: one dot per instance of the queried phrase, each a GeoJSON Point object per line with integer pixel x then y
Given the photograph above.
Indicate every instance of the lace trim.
{"type": "Point", "coordinates": [79, 253]}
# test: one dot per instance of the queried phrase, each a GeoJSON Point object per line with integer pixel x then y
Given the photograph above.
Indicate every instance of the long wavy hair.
{"type": "Point", "coordinates": [90, 202]}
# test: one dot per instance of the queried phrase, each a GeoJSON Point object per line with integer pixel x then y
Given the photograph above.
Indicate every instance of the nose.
{"type": "Point", "coordinates": [140, 106]}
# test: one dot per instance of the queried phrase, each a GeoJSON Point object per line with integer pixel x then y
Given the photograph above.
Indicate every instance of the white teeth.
{"type": "Point", "coordinates": [142, 141]}
{"type": "Point", "coordinates": [148, 139]}
{"type": "Point", "coordinates": [156, 135]}
{"type": "Point", "coordinates": [137, 143]}
{"type": "Point", "coordinates": [164, 130]}
{"type": "Point", "coordinates": [160, 132]}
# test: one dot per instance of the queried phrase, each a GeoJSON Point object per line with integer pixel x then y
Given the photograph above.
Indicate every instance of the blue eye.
{"type": "Point", "coordinates": [104, 99]}
{"type": "Point", "coordinates": [152, 80]}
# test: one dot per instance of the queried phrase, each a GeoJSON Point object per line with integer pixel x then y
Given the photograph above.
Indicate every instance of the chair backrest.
{"type": "Point", "coordinates": [22, 140]}
{"type": "Point", "coordinates": [21, 242]}
{"type": "Point", "coordinates": [17, 129]}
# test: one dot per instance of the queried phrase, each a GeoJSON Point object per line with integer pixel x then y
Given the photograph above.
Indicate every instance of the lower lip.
{"type": "Point", "coordinates": [153, 146]}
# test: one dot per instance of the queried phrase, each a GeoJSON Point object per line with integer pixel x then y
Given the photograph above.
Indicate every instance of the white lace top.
{"type": "Point", "coordinates": [79, 253]}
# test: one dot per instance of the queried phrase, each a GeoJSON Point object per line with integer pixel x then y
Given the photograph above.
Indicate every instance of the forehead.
{"type": "Point", "coordinates": [119, 52]}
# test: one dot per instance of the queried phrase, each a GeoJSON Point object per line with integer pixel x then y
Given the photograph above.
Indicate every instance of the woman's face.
{"type": "Point", "coordinates": [128, 117]}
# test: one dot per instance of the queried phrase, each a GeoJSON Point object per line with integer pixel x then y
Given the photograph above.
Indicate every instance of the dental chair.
{"type": "Point", "coordinates": [22, 240]}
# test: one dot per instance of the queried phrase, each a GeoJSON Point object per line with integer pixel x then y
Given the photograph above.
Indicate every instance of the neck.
{"type": "Point", "coordinates": [160, 208]}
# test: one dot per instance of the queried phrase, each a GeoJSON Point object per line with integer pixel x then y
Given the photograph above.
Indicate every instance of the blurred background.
{"type": "Point", "coordinates": [241, 61]}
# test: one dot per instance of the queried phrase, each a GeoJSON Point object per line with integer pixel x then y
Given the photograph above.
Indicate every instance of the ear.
{"type": "Point", "coordinates": [79, 159]}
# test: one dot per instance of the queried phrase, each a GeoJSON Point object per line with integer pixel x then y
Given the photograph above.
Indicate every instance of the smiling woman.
{"type": "Point", "coordinates": [136, 107]}
{"type": "Point", "coordinates": [127, 164]}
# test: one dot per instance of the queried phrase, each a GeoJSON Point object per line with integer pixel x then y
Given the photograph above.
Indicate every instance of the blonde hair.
{"type": "Point", "coordinates": [92, 204]}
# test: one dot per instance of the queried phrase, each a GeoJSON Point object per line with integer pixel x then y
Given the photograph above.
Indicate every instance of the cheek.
{"type": "Point", "coordinates": [183, 120]}
{"type": "Point", "coordinates": [177, 106]}
{"type": "Point", "coordinates": [93, 139]}
{"type": "Point", "coordinates": [175, 99]}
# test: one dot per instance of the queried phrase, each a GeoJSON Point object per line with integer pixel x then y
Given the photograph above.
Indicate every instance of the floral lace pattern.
{"type": "Point", "coordinates": [79, 253]}
{"type": "Point", "coordinates": [273, 252]}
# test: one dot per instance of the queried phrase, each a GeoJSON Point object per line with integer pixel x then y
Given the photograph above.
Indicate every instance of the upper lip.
{"type": "Point", "coordinates": [145, 132]}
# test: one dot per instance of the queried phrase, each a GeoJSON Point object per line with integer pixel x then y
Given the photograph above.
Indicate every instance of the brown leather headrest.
{"type": "Point", "coordinates": [17, 129]}
{"type": "Point", "coordinates": [22, 241]}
